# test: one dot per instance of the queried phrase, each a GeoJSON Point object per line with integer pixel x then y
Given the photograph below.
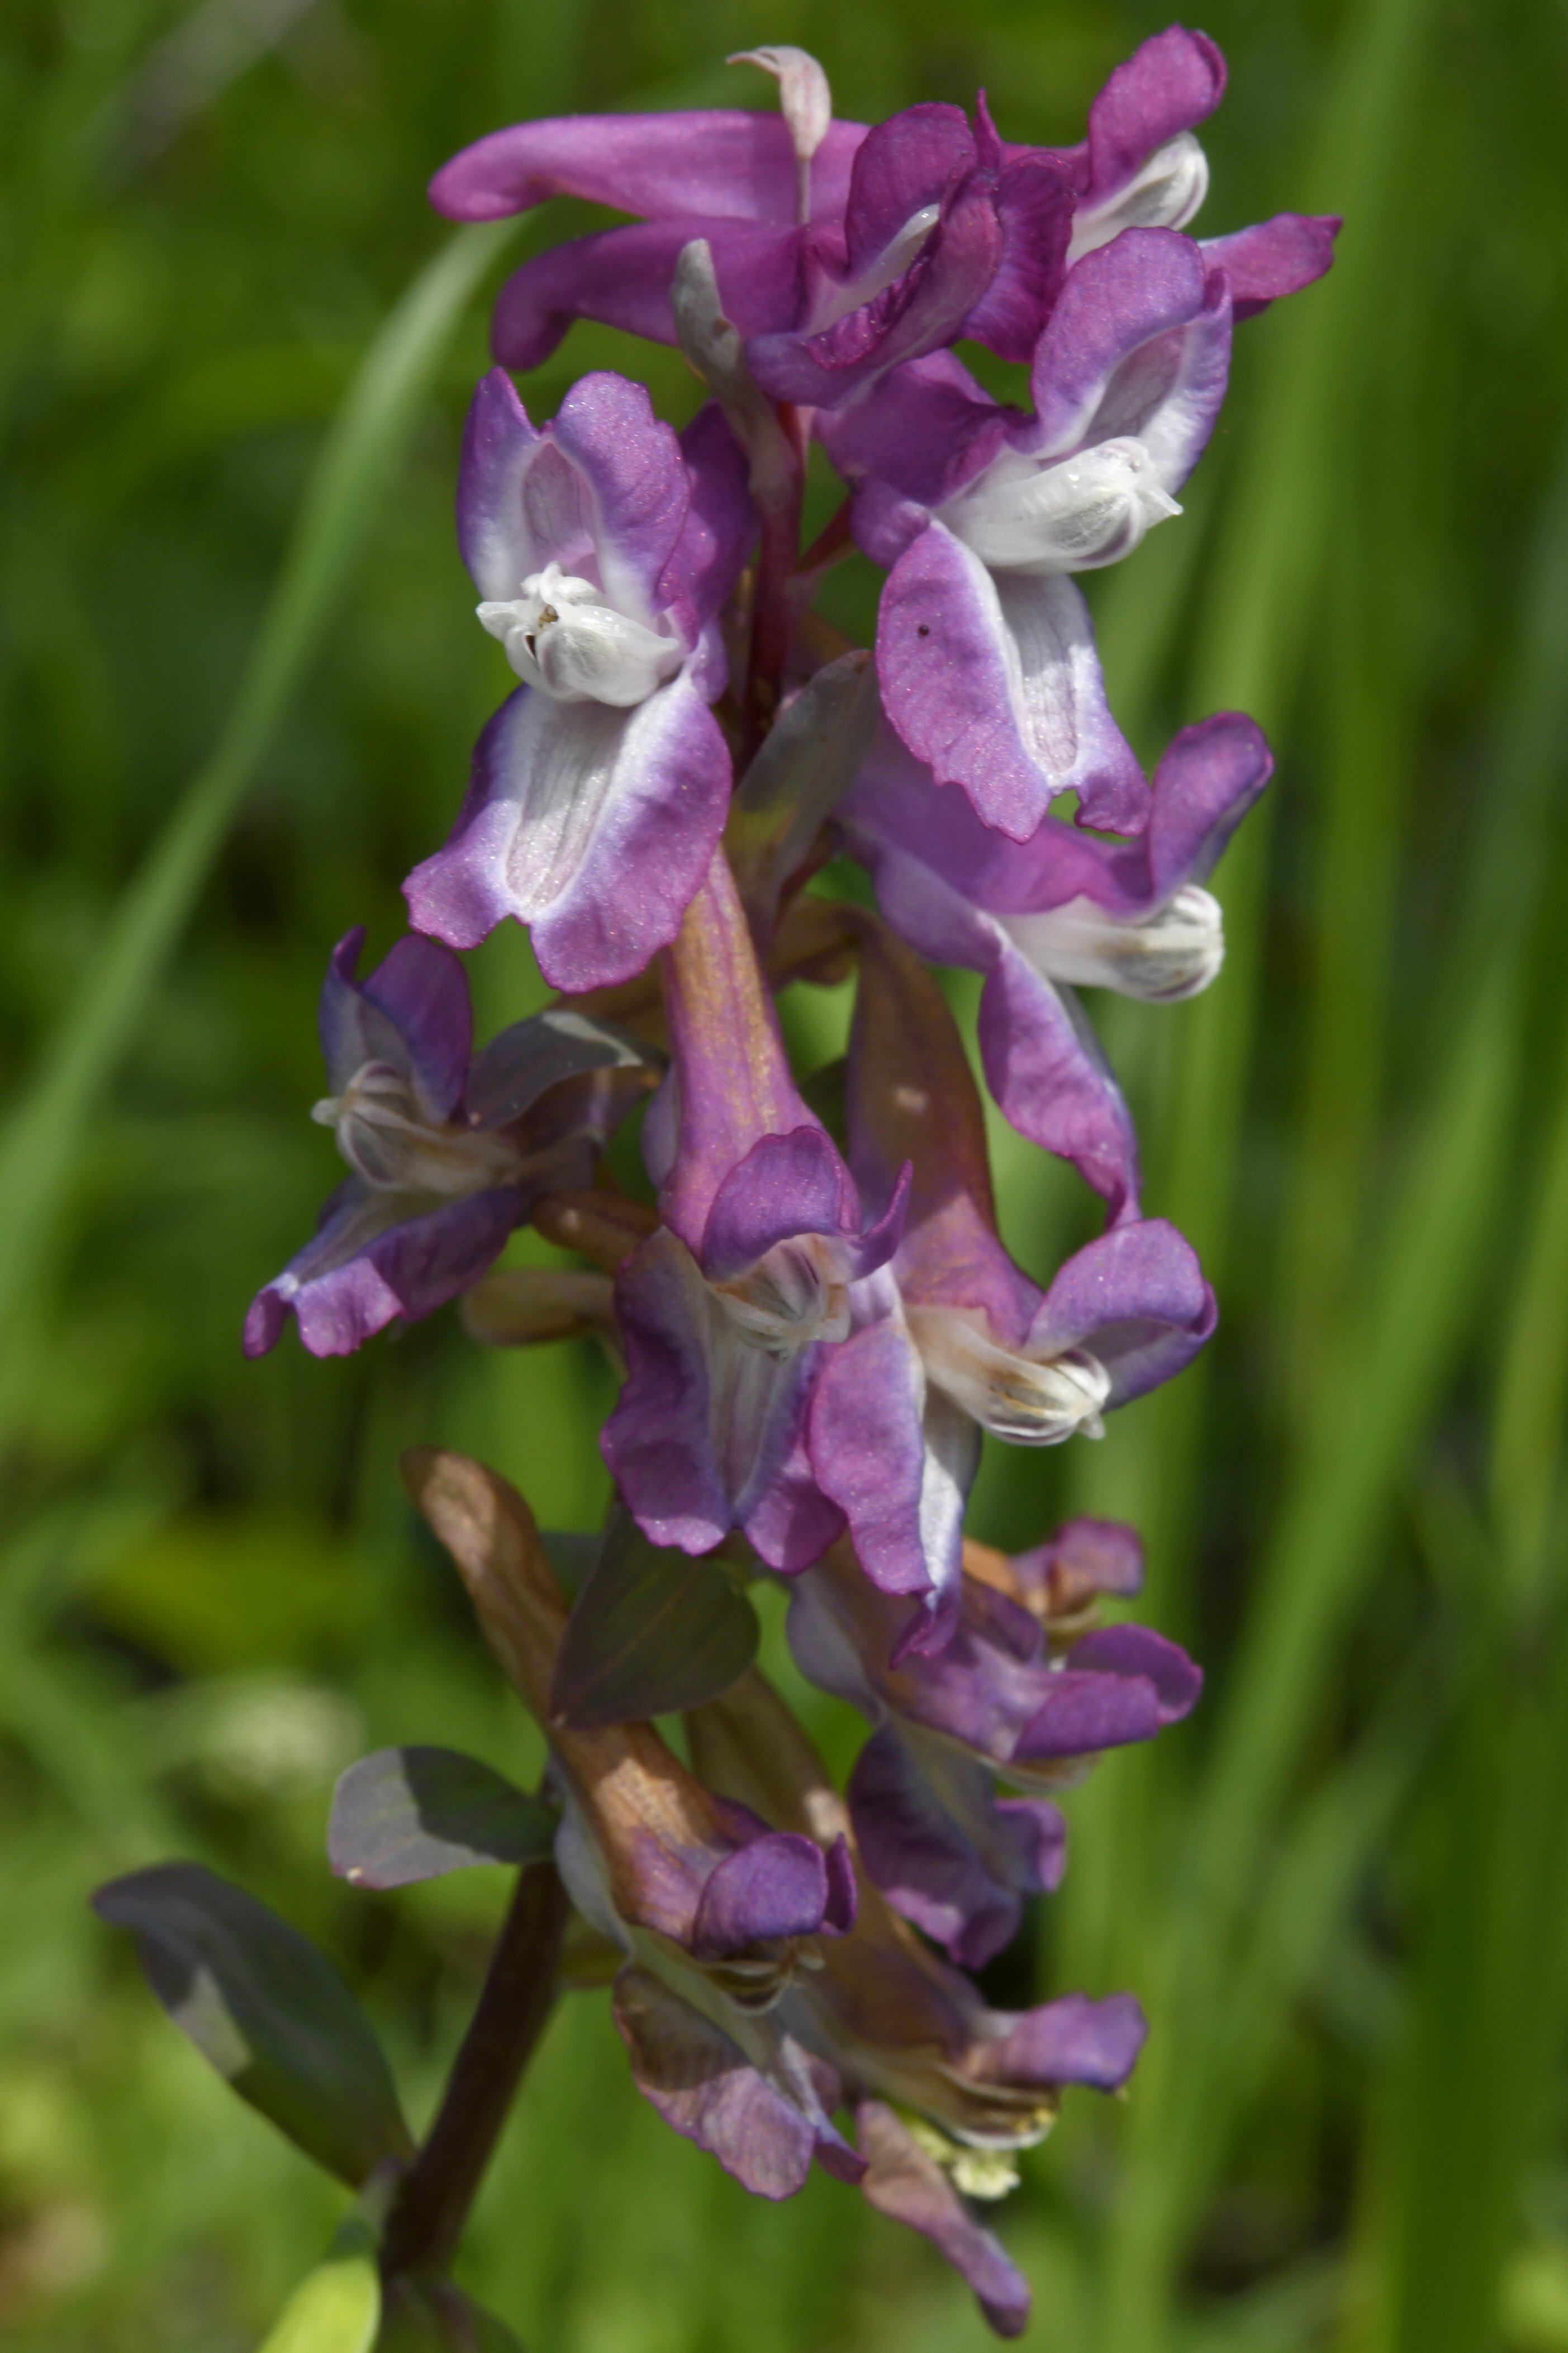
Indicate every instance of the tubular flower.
{"type": "Point", "coordinates": [602, 548]}
{"type": "Point", "coordinates": [944, 2090]}
{"type": "Point", "coordinates": [1025, 1691]}
{"type": "Point", "coordinates": [728, 1310]}
{"type": "Point", "coordinates": [446, 1150]}
{"type": "Point", "coordinates": [953, 1339]}
{"type": "Point", "coordinates": [984, 649]}
{"type": "Point", "coordinates": [1060, 910]}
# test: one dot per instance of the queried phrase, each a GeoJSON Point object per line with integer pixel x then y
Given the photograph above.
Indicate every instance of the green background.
{"type": "Point", "coordinates": [1340, 1889]}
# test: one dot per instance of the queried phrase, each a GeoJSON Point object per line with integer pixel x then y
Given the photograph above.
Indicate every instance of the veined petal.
{"type": "Point", "coordinates": [725, 162]}
{"type": "Point", "coordinates": [1171, 83]}
{"type": "Point", "coordinates": [1165, 192]}
{"type": "Point", "coordinates": [630, 463]}
{"type": "Point", "coordinates": [869, 1454]}
{"type": "Point", "coordinates": [1035, 206]}
{"type": "Point", "coordinates": [593, 826]}
{"type": "Point", "coordinates": [995, 684]}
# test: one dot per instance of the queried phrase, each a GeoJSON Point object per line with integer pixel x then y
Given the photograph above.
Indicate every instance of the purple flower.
{"type": "Point", "coordinates": [944, 2090]}
{"type": "Point", "coordinates": [984, 649]}
{"type": "Point", "coordinates": [836, 260]}
{"type": "Point", "coordinates": [953, 1339]}
{"type": "Point", "coordinates": [603, 548]}
{"type": "Point", "coordinates": [728, 1310]}
{"type": "Point", "coordinates": [1022, 1690]}
{"type": "Point", "coordinates": [446, 1150]}
{"type": "Point", "coordinates": [1061, 910]}
{"type": "Point", "coordinates": [1141, 167]}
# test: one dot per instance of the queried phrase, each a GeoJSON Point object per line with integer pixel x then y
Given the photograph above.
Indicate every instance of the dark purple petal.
{"type": "Point", "coordinates": [1205, 783]}
{"type": "Point", "coordinates": [775, 1887]}
{"type": "Point", "coordinates": [1273, 257]}
{"type": "Point", "coordinates": [348, 1282]}
{"type": "Point", "coordinates": [843, 1905]}
{"type": "Point", "coordinates": [1035, 206]}
{"type": "Point", "coordinates": [1175, 1680]}
{"type": "Point", "coordinates": [708, 2091]}
{"type": "Point", "coordinates": [995, 685]}
{"type": "Point", "coordinates": [910, 161]}
{"type": "Point", "coordinates": [591, 826]}
{"type": "Point", "coordinates": [412, 1012]}
{"type": "Point", "coordinates": [926, 429]}
{"type": "Point", "coordinates": [1073, 2040]}
{"type": "Point", "coordinates": [785, 1186]}
{"type": "Point", "coordinates": [1138, 1299]}
{"type": "Point", "coordinates": [1170, 84]}
{"type": "Point", "coordinates": [723, 160]}
{"type": "Point", "coordinates": [925, 306]}
{"type": "Point", "coordinates": [1083, 1713]}
{"type": "Point", "coordinates": [623, 278]}
{"type": "Point", "coordinates": [910, 2186]}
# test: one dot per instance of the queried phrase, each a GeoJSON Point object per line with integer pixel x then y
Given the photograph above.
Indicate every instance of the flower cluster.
{"type": "Point", "coordinates": [814, 1312]}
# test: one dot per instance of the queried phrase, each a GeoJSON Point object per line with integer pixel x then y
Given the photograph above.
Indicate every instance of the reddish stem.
{"type": "Point", "coordinates": [773, 605]}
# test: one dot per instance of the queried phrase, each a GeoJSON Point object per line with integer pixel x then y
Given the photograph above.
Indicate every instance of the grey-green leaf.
{"type": "Point", "coordinates": [268, 2009]}
{"type": "Point", "coordinates": [651, 1631]}
{"type": "Point", "coordinates": [407, 1814]}
{"type": "Point", "coordinates": [807, 765]}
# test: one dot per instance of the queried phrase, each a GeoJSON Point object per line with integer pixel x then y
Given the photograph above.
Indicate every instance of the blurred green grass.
{"type": "Point", "coordinates": [1340, 1890]}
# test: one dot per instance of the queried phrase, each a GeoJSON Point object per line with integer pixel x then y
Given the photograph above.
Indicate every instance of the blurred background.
{"type": "Point", "coordinates": [1340, 1890]}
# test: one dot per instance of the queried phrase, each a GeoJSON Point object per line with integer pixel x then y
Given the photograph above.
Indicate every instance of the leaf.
{"type": "Point", "coordinates": [651, 1631]}
{"type": "Point", "coordinates": [432, 2316]}
{"type": "Point", "coordinates": [407, 1814]}
{"type": "Point", "coordinates": [268, 2009]}
{"type": "Point", "coordinates": [336, 2308]}
{"type": "Point", "coordinates": [803, 771]}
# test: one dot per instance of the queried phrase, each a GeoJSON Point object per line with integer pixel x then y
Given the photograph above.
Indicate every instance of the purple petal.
{"type": "Point", "coordinates": [623, 278]}
{"type": "Point", "coordinates": [1035, 206]}
{"type": "Point", "coordinates": [1170, 84]}
{"type": "Point", "coordinates": [1138, 343]}
{"type": "Point", "coordinates": [1083, 1713]}
{"type": "Point", "coordinates": [911, 160]}
{"type": "Point", "coordinates": [708, 2091]}
{"type": "Point", "coordinates": [593, 826]}
{"type": "Point", "coordinates": [1273, 257]}
{"type": "Point", "coordinates": [721, 161]}
{"type": "Point", "coordinates": [1205, 783]}
{"type": "Point", "coordinates": [995, 684]}
{"type": "Point", "coordinates": [1175, 1680]}
{"type": "Point", "coordinates": [910, 2186]}
{"type": "Point", "coordinates": [709, 1432]}
{"type": "Point", "coordinates": [1138, 1299]}
{"type": "Point", "coordinates": [635, 479]}
{"type": "Point", "coordinates": [843, 1904]}
{"type": "Point", "coordinates": [923, 307]}
{"type": "Point", "coordinates": [960, 1879]}
{"type": "Point", "coordinates": [355, 1277]}
{"type": "Point", "coordinates": [775, 1887]}
{"type": "Point", "coordinates": [928, 429]}
{"type": "Point", "coordinates": [413, 1011]}
{"type": "Point", "coordinates": [785, 1186]}
{"type": "Point", "coordinates": [1073, 2040]}
{"type": "Point", "coordinates": [868, 1456]}
{"type": "Point", "coordinates": [498, 448]}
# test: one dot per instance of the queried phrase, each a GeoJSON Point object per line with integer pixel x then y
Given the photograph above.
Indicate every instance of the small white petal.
{"type": "Point", "coordinates": [890, 263]}
{"type": "Point", "coordinates": [1165, 193]}
{"type": "Point", "coordinates": [1174, 952]}
{"type": "Point", "coordinates": [1071, 514]}
{"type": "Point", "coordinates": [562, 635]}
{"type": "Point", "coordinates": [385, 1140]}
{"type": "Point", "coordinates": [793, 1295]}
{"type": "Point", "coordinates": [805, 101]}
